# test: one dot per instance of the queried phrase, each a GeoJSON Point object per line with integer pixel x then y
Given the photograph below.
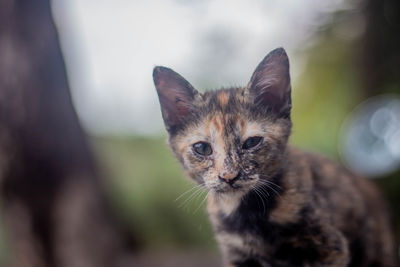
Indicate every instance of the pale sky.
{"type": "Point", "coordinates": [111, 47]}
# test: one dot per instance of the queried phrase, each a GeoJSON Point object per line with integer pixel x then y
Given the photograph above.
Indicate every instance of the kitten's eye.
{"type": "Point", "coordinates": [202, 148]}
{"type": "Point", "coordinates": [252, 142]}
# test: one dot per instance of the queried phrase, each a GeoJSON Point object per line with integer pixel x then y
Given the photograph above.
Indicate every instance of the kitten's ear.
{"type": "Point", "coordinates": [270, 84]}
{"type": "Point", "coordinates": [176, 96]}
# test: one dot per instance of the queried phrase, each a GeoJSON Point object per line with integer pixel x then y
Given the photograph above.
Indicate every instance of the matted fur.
{"type": "Point", "coordinates": [271, 204]}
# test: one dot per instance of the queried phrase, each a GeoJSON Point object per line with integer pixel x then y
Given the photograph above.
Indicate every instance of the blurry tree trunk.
{"type": "Point", "coordinates": [379, 64]}
{"type": "Point", "coordinates": [380, 53]}
{"type": "Point", "coordinates": [52, 201]}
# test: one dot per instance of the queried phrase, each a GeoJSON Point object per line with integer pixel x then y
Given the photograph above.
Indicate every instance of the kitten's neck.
{"type": "Point", "coordinates": [225, 203]}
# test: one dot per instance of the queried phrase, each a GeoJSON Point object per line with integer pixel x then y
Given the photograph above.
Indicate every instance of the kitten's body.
{"type": "Point", "coordinates": [327, 218]}
{"type": "Point", "coordinates": [270, 204]}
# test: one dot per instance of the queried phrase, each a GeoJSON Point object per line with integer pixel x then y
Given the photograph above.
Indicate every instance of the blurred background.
{"type": "Point", "coordinates": [86, 176]}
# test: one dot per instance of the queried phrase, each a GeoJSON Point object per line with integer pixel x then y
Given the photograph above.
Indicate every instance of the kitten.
{"type": "Point", "coordinates": [270, 204]}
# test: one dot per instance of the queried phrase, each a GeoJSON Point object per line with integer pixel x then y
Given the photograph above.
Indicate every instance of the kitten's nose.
{"type": "Point", "coordinates": [229, 177]}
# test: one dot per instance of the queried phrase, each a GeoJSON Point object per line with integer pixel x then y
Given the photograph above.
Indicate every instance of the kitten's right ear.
{"type": "Point", "coordinates": [176, 96]}
{"type": "Point", "coordinates": [270, 83]}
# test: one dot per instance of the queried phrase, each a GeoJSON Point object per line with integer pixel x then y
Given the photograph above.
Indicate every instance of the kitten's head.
{"type": "Point", "coordinates": [231, 139]}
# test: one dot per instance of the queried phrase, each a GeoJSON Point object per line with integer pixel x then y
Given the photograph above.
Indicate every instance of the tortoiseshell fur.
{"type": "Point", "coordinates": [286, 207]}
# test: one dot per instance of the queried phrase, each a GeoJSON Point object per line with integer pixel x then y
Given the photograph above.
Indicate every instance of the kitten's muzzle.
{"type": "Point", "coordinates": [230, 178]}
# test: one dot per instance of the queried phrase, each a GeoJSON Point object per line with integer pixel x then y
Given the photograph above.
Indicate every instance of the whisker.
{"type": "Point", "coordinates": [260, 196]}
{"type": "Point", "coordinates": [192, 195]}
{"type": "Point", "coordinates": [198, 193]}
{"type": "Point", "coordinates": [201, 203]}
{"type": "Point", "coordinates": [271, 183]}
{"type": "Point", "coordinates": [187, 191]}
{"type": "Point", "coordinates": [264, 192]}
{"type": "Point", "coordinates": [262, 189]}
{"type": "Point", "coordinates": [263, 182]}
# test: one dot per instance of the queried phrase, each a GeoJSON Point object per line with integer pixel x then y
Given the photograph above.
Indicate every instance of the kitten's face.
{"type": "Point", "coordinates": [228, 148]}
{"type": "Point", "coordinates": [229, 140]}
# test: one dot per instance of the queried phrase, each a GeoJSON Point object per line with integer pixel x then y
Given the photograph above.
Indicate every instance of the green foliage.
{"type": "Point", "coordinates": [323, 96]}
{"type": "Point", "coordinates": [145, 180]}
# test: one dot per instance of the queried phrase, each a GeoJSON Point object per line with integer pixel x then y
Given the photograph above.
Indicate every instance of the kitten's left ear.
{"type": "Point", "coordinates": [176, 97]}
{"type": "Point", "coordinates": [270, 83]}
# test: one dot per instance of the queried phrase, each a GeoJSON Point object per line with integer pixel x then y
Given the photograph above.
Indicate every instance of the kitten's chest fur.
{"type": "Point", "coordinates": [318, 214]}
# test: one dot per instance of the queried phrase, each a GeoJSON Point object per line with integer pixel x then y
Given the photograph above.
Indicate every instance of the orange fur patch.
{"type": "Point", "coordinates": [223, 98]}
{"type": "Point", "coordinates": [243, 126]}
{"type": "Point", "coordinates": [217, 123]}
{"type": "Point", "coordinates": [288, 207]}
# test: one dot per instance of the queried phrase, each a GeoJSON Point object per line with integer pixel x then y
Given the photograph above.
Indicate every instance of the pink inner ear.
{"type": "Point", "coordinates": [175, 93]}
{"type": "Point", "coordinates": [270, 83]}
{"type": "Point", "coordinates": [174, 107]}
{"type": "Point", "coordinates": [276, 102]}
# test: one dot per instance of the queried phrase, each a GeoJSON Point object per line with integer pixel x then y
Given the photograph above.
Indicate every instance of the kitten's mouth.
{"type": "Point", "coordinates": [227, 188]}
{"type": "Point", "coordinates": [233, 187]}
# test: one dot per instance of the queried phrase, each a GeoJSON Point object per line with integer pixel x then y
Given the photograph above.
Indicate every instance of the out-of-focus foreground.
{"type": "Point", "coordinates": [53, 202]}
{"type": "Point", "coordinates": [122, 199]}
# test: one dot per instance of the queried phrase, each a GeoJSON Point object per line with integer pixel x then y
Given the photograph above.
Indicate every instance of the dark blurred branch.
{"type": "Point", "coordinates": [53, 202]}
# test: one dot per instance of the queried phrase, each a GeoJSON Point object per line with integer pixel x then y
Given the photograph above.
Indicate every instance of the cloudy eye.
{"type": "Point", "coordinates": [202, 148]}
{"type": "Point", "coordinates": [252, 142]}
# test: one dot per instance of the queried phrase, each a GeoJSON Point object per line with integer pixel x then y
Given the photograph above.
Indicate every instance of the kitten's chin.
{"type": "Point", "coordinates": [230, 190]}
